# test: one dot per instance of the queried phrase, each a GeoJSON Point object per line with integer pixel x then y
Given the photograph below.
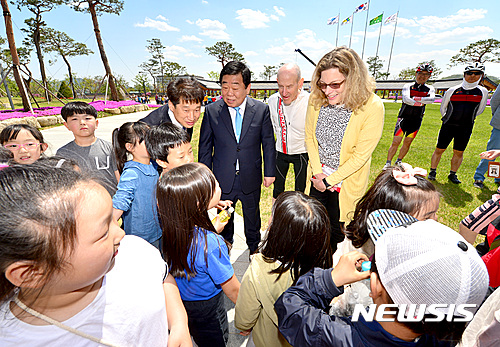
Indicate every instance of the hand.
{"type": "Point", "coordinates": [490, 155]}
{"type": "Point", "coordinates": [245, 332]}
{"type": "Point", "coordinates": [417, 98]}
{"type": "Point", "coordinates": [346, 271]}
{"type": "Point", "coordinates": [223, 204]}
{"type": "Point", "coordinates": [317, 181]}
{"type": "Point", "coordinates": [218, 225]}
{"type": "Point", "coordinates": [179, 338]}
{"type": "Point", "coordinates": [268, 181]}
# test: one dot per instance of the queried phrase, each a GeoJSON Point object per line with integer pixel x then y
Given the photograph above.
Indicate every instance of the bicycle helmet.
{"type": "Point", "coordinates": [474, 67]}
{"type": "Point", "coordinates": [425, 67]}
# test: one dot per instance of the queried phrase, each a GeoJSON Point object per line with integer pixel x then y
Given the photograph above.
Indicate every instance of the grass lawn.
{"type": "Point", "coordinates": [457, 201]}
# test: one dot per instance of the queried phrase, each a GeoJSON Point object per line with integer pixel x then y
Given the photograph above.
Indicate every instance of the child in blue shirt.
{"type": "Point", "coordinates": [135, 199]}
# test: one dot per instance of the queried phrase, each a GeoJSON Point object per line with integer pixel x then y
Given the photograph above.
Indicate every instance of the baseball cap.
{"type": "Point", "coordinates": [425, 262]}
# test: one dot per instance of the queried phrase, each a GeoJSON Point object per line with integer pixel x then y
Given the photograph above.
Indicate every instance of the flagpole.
{"type": "Point", "coordinates": [352, 24]}
{"type": "Point", "coordinates": [379, 32]}
{"type": "Point", "coordinates": [338, 25]}
{"type": "Point", "coordinates": [392, 45]}
{"type": "Point", "coordinates": [366, 26]}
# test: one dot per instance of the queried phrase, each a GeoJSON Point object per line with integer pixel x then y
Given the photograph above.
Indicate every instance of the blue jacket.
{"type": "Point", "coordinates": [303, 321]}
{"type": "Point", "coordinates": [136, 197]}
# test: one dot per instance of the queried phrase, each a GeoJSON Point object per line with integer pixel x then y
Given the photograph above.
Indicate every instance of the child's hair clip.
{"type": "Point", "coordinates": [3, 166]}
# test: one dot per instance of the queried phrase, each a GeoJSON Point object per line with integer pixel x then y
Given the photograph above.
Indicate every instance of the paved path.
{"type": "Point", "coordinates": [59, 136]}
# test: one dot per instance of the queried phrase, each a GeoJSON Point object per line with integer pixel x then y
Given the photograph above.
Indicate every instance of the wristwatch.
{"type": "Point", "coordinates": [327, 185]}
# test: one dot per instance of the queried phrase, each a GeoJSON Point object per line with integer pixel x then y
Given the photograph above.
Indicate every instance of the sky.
{"type": "Point", "coordinates": [268, 32]}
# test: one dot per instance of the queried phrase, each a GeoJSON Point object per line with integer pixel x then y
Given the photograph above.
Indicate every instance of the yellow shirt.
{"type": "Point", "coordinates": [361, 136]}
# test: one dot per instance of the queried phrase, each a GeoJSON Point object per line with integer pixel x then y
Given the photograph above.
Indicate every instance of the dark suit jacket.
{"type": "Point", "coordinates": [160, 115]}
{"type": "Point", "coordinates": [219, 150]}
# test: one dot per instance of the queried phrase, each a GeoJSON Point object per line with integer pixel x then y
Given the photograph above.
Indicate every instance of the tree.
{"type": "Point", "coordinates": [482, 51]}
{"type": "Point", "coordinates": [269, 71]}
{"type": "Point", "coordinates": [156, 48]}
{"type": "Point", "coordinates": [213, 75]}
{"type": "Point", "coordinates": [375, 65]}
{"type": "Point", "coordinates": [224, 52]}
{"type": "Point", "coordinates": [141, 82]}
{"type": "Point", "coordinates": [35, 25]}
{"type": "Point", "coordinates": [96, 8]}
{"type": "Point", "coordinates": [151, 67]}
{"type": "Point", "coordinates": [409, 72]}
{"type": "Point", "coordinates": [172, 70]}
{"type": "Point", "coordinates": [59, 42]}
{"type": "Point", "coordinates": [64, 91]}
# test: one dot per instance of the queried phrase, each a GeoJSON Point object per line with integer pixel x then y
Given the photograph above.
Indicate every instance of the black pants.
{"type": "Point", "coordinates": [251, 215]}
{"type": "Point", "coordinates": [283, 162]}
{"type": "Point", "coordinates": [331, 202]}
{"type": "Point", "coordinates": [207, 321]}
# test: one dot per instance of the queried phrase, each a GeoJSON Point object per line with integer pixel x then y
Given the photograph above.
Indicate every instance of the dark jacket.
{"type": "Point", "coordinates": [159, 116]}
{"type": "Point", "coordinates": [303, 320]}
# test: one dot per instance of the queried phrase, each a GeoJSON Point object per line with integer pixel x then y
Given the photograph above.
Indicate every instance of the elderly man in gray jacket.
{"type": "Point", "coordinates": [493, 142]}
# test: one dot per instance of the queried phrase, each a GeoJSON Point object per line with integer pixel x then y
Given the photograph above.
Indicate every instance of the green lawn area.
{"type": "Point", "coordinates": [457, 201]}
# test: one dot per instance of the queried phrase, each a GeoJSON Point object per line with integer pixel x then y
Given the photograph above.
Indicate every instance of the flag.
{"type": "Point", "coordinates": [362, 7]}
{"type": "Point", "coordinates": [333, 20]}
{"type": "Point", "coordinates": [377, 19]}
{"type": "Point", "coordinates": [347, 20]}
{"type": "Point", "coordinates": [392, 18]}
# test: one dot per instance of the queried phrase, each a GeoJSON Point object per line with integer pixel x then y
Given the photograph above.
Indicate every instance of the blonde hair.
{"type": "Point", "coordinates": [358, 85]}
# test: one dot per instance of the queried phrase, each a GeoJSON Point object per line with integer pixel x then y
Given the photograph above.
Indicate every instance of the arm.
{"type": "Point", "coordinates": [176, 315]}
{"type": "Point", "coordinates": [446, 101]}
{"type": "Point", "coordinates": [429, 99]}
{"type": "Point", "coordinates": [482, 104]}
{"type": "Point", "coordinates": [368, 138]}
{"type": "Point", "coordinates": [248, 306]}
{"type": "Point", "coordinates": [268, 148]}
{"type": "Point", "coordinates": [125, 193]}
{"type": "Point", "coordinates": [206, 143]}
{"type": "Point", "coordinates": [495, 101]}
{"type": "Point", "coordinates": [490, 155]}
{"type": "Point", "coordinates": [117, 175]}
{"type": "Point", "coordinates": [231, 288]}
{"type": "Point", "coordinates": [406, 94]}
{"type": "Point", "coordinates": [311, 142]}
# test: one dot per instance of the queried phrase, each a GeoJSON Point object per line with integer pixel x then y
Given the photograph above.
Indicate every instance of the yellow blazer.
{"type": "Point", "coordinates": [361, 136]}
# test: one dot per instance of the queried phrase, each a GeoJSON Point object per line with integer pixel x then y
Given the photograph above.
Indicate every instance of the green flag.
{"type": "Point", "coordinates": [377, 19]}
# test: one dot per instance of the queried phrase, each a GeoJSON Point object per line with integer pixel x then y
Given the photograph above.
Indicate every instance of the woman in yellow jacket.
{"type": "Point", "coordinates": [343, 126]}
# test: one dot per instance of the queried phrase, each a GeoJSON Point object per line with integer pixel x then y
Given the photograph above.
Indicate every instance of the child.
{"type": "Point", "coordinates": [298, 239]}
{"type": "Point", "coordinates": [24, 141]}
{"type": "Point", "coordinates": [61, 260]}
{"type": "Point", "coordinates": [421, 263]}
{"type": "Point", "coordinates": [134, 200]}
{"type": "Point", "coordinates": [169, 146]}
{"type": "Point", "coordinates": [92, 154]}
{"type": "Point", "coordinates": [400, 188]}
{"type": "Point", "coordinates": [198, 257]}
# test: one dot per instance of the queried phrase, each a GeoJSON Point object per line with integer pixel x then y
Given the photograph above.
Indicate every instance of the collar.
{"type": "Point", "coordinates": [173, 119]}
{"type": "Point", "coordinates": [242, 107]}
{"type": "Point", "coordinates": [468, 86]}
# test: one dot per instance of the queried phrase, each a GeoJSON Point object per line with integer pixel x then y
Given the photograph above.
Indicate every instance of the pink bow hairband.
{"type": "Point", "coordinates": [407, 177]}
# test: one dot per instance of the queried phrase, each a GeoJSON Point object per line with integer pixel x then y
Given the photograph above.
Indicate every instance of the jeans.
{"type": "Point", "coordinates": [493, 143]}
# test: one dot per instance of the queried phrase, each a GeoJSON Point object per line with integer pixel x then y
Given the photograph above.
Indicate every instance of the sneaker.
{"type": "Point", "coordinates": [386, 166]}
{"type": "Point", "coordinates": [432, 176]}
{"type": "Point", "coordinates": [454, 179]}
{"type": "Point", "coordinates": [478, 184]}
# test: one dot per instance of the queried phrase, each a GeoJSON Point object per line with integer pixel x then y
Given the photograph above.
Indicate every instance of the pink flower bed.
{"type": "Point", "coordinates": [52, 111]}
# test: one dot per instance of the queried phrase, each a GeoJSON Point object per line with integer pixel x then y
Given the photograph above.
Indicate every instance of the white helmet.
{"type": "Point", "coordinates": [474, 67]}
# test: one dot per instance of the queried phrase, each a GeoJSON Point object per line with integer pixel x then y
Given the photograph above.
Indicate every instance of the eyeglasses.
{"type": "Point", "coordinates": [27, 146]}
{"type": "Point", "coordinates": [470, 73]}
{"type": "Point", "coordinates": [323, 86]}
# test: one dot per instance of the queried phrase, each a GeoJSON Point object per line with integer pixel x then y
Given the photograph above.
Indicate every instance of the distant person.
{"type": "Point", "coordinates": [183, 108]}
{"type": "Point", "coordinates": [415, 96]}
{"type": "Point", "coordinates": [288, 110]}
{"type": "Point", "coordinates": [92, 154]}
{"type": "Point", "coordinates": [236, 137]}
{"type": "Point", "coordinates": [493, 142]}
{"type": "Point", "coordinates": [460, 106]}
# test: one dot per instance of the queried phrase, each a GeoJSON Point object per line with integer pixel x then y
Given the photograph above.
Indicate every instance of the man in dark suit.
{"type": "Point", "coordinates": [233, 132]}
{"type": "Point", "coordinates": [185, 96]}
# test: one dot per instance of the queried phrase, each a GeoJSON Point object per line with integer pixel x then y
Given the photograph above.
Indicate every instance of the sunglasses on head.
{"type": "Point", "coordinates": [470, 73]}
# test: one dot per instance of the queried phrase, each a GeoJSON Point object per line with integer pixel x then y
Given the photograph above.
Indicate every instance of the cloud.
{"type": "Point", "coordinates": [279, 11]}
{"type": "Point", "coordinates": [189, 21]}
{"type": "Point", "coordinates": [428, 24]}
{"type": "Point", "coordinates": [204, 2]}
{"type": "Point", "coordinates": [174, 52]}
{"type": "Point", "coordinates": [250, 54]}
{"type": "Point", "coordinates": [251, 19]}
{"type": "Point", "coordinates": [213, 29]}
{"type": "Point", "coordinates": [186, 38]}
{"type": "Point", "coordinates": [193, 55]}
{"type": "Point", "coordinates": [160, 17]}
{"type": "Point", "coordinates": [457, 35]}
{"type": "Point", "coordinates": [161, 24]}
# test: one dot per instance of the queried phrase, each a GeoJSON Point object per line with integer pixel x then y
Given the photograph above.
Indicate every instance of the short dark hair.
{"type": "Point", "coordinates": [235, 68]}
{"type": "Point", "coordinates": [160, 139]}
{"type": "Point", "coordinates": [186, 88]}
{"type": "Point", "coordinates": [10, 132]}
{"type": "Point", "coordinates": [298, 236]}
{"type": "Point", "coordinates": [77, 107]}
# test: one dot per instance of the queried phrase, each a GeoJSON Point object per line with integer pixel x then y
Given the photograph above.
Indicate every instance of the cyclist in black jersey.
{"type": "Point", "coordinates": [415, 96]}
{"type": "Point", "coordinates": [460, 106]}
